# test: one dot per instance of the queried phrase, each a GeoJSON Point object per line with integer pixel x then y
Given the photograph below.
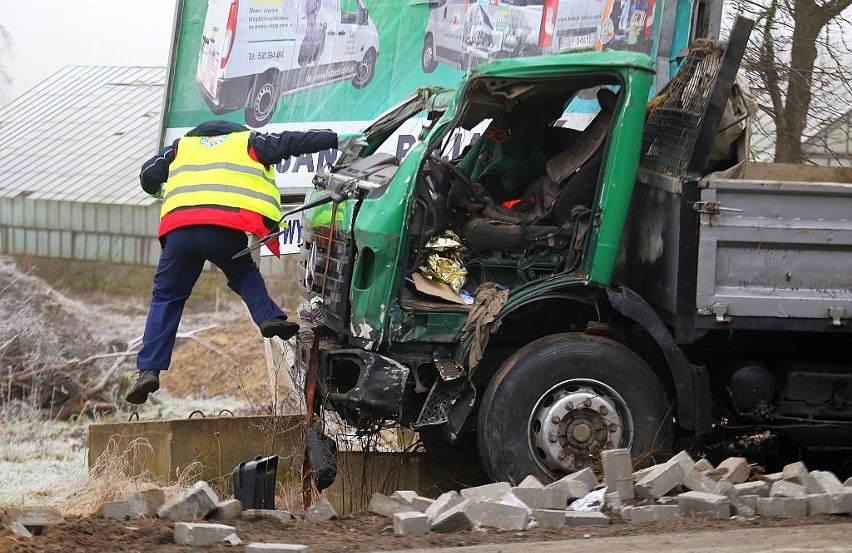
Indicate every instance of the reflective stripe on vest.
{"type": "Point", "coordinates": [217, 170]}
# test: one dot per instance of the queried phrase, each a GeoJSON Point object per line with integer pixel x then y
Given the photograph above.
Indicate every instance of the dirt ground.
{"type": "Point", "coordinates": [356, 533]}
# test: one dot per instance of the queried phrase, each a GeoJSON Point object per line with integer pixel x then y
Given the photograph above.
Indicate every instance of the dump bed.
{"type": "Point", "coordinates": [775, 240]}
{"type": "Point", "coordinates": [760, 246]}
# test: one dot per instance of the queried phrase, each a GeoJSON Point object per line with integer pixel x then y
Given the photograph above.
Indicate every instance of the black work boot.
{"type": "Point", "coordinates": [147, 383]}
{"type": "Point", "coordinates": [278, 326]}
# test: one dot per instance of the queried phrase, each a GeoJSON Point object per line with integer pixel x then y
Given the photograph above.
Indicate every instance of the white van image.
{"type": "Point", "coordinates": [465, 33]}
{"type": "Point", "coordinates": [253, 52]}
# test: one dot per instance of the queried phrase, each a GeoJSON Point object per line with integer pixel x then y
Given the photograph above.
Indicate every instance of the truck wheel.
{"type": "Point", "coordinates": [427, 59]}
{"type": "Point", "coordinates": [262, 102]}
{"type": "Point", "coordinates": [365, 70]}
{"type": "Point", "coordinates": [559, 401]}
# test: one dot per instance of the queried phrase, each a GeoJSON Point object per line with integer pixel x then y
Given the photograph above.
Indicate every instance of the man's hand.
{"type": "Point", "coordinates": [351, 143]}
{"type": "Point", "coordinates": [159, 192]}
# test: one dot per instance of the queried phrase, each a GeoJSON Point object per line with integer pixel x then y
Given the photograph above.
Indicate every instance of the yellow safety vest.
{"type": "Point", "coordinates": [217, 171]}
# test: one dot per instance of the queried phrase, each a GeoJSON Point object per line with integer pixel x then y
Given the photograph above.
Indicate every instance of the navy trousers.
{"type": "Point", "coordinates": [184, 252]}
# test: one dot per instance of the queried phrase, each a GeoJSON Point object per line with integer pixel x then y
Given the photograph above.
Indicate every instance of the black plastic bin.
{"type": "Point", "coordinates": [254, 482]}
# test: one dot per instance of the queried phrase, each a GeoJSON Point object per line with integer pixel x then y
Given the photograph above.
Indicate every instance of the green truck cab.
{"type": "Point", "coordinates": [486, 297]}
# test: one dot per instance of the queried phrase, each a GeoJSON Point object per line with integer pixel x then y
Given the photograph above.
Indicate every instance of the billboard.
{"type": "Point", "coordinates": [280, 65]}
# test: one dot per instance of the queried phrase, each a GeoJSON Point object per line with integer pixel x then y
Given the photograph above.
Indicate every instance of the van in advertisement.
{"type": "Point", "coordinates": [465, 33]}
{"type": "Point", "coordinates": [254, 52]}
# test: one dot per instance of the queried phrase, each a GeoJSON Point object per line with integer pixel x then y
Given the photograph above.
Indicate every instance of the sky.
{"type": "Point", "coordinates": [48, 35]}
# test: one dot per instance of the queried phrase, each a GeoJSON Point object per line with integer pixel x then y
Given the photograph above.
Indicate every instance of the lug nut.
{"type": "Point", "coordinates": [562, 455]}
{"type": "Point", "coordinates": [556, 419]}
{"type": "Point", "coordinates": [603, 410]}
{"type": "Point", "coordinates": [612, 428]}
{"type": "Point", "coordinates": [569, 406]}
{"type": "Point", "coordinates": [552, 437]}
{"type": "Point", "coordinates": [587, 402]}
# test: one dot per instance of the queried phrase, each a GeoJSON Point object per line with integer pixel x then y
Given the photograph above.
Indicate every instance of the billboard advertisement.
{"type": "Point", "coordinates": [276, 65]}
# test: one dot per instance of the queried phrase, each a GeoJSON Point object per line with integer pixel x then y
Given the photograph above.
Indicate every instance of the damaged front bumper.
{"type": "Point", "coordinates": [354, 380]}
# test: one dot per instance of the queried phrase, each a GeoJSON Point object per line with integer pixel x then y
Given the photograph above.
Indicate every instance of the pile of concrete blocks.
{"type": "Point", "coordinates": [499, 505]}
{"type": "Point", "coordinates": [682, 487]}
{"type": "Point", "coordinates": [26, 522]}
{"type": "Point", "coordinates": [200, 503]}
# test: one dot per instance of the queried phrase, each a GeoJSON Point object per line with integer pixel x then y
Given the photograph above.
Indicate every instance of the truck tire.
{"type": "Point", "coordinates": [558, 401]}
{"type": "Point", "coordinates": [427, 58]}
{"type": "Point", "coordinates": [365, 69]}
{"type": "Point", "coordinates": [263, 100]}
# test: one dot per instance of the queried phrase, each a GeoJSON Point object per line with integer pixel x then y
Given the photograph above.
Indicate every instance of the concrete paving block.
{"type": "Point", "coordinates": [703, 505]}
{"type": "Point", "coordinates": [258, 547]}
{"type": "Point", "coordinates": [444, 502]}
{"type": "Point", "coordinates": [642, 473]}
{"type": "Point", "coordinates": [841, 503]}
{"type": "Point", "coordinates": [586, 476]}
{"type": "Point", "coordinates": [277, 514]}
{"type": "Point", "coordinates": [230, 509]}
{"type": "Point", "coordinates": [742, 508]}
{"type": "Point", "coordinates": [818, 504]}
{"type": "Point", "coordinates": [758, 488]}
{"type": "Point", "coordinates": [35, 519]}
{"type": "Point", "coordinates": [786, 488]}
{"type": "Point", "coordinates": [618, 472]}
{"type": "Point", "coordinates": [573, 488]}
{"type": "Point", "coordinates": [650, 513]}
{"type": "Point", "coordinates": [612, 501]}
{"type": "Point", "coordinates": [381, 504]}
{"type": "Point", "coordinates": [660, 481]}
{"type": "Point", "coordinates": [848, 482]}
{"type": "Point", "coordinates": [772, 477]}
{"type": "Point", "coordinates": [684, 459]}
{"type": "Point", "coordinates": [736, 469]}
{"type": "Point", "coordinates": [125, 509]}
{"type": "Point", "coordinates": [452, 519]}
{"type": "Point", "coordinates": [544, 498]}
{"type": "Point", "coordinates": [703, 466]}
{"type": "Point", "coordinates": [19, 530]}
{"type": "Point", "coordinates": [583, 518]}
{"type": "Point", "coordinates": [782, 506]}
{"type": "Point", "coordinates": [796, 473]}
{"type": "Point", "coordinates": [154, 497]}
{"type": "Point", "coordinates": [698, 482]}
{"type": "Point", "coordinates": [193, 503]}
{"type": "Point", "coordinates": [549, 518]}
{"type": "Point", "coordinates": [821, 481]}
{"type": "Point", "coordinates": [410, 524]}
{"type": "Point", "coordinates": [488, 492]}
{"type": "Point", "coordinates": [723, 487]}
{"type": "Point", "coordinates": [497, 515]}
{"type": "Point", "coordinates": [530, 482]}
{"type": "Point", "coordinates": [406, 496]}
{"type": "Point", "coordinates": [320, 512]}
{"type": "Point", "coordinates": [749, 500]}
{"type": "Point", "coordinates": [202, 534]}
{"type": "Point", "coordinates": [421, 503]}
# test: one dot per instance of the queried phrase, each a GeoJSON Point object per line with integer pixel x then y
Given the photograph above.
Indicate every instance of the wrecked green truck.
{"type": "Point", "coordinates": [562, 287]}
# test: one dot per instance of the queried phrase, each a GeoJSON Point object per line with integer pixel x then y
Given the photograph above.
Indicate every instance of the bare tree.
{"type": "Point", "coordinates": [797, 64]}
{"type": "Point", "coordinates": [5, 57]}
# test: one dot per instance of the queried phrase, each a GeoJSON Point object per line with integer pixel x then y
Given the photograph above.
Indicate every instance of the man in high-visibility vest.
{"type": "Point", "coordinates": [217, 184]}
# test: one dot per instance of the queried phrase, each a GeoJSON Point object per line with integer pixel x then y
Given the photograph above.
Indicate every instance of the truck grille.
{"type": "Point", "coordinates": [327, 270]}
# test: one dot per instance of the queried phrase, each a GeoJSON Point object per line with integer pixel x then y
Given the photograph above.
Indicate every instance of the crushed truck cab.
{"type": "Point", "coordinates": [488, 299]}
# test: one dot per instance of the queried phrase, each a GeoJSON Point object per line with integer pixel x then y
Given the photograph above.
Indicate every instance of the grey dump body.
{"type": "Point", "coordinates": [765, 247]}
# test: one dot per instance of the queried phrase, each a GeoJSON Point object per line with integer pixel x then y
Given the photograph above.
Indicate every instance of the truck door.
{"type": "Point", "coordinates": [336, 33]}
{"type": "Point", "coordinates": [217, 39]}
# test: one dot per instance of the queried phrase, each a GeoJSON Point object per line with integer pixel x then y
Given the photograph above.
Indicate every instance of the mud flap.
{"type": "Point", "coordinates": [322, 452]}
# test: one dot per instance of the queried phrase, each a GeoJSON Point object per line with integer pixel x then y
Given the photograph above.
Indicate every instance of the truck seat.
{"type": "Point", "coordinates": [543, 216]}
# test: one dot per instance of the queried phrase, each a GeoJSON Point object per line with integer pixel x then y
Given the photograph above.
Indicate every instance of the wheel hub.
{"type": "Point", "coordinates": [575, 421]}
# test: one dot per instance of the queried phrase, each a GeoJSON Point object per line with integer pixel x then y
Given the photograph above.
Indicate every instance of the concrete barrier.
{"type": "Point", "coordinates": [215, 445]}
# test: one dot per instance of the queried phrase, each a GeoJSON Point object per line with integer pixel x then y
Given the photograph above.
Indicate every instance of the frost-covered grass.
{"type": "Point", "coordinates": [45, 462]}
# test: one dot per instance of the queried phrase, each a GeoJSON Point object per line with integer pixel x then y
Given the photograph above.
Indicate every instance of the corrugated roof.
{"type": "Point", "coordinates": [82, 135]}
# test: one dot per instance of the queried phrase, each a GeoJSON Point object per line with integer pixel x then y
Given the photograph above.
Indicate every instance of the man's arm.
{"type": "Point", "coordinates": [155, 171]}
{"type": "Point", "coordinates": [273, 147]}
